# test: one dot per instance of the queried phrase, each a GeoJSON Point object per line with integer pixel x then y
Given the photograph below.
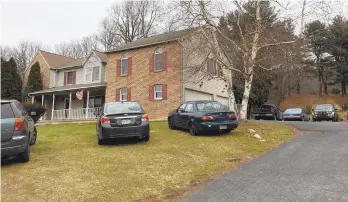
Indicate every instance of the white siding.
{"type": "Point", "coordinates": [52, 81]}
{"type": "Point", "coordinates": [93, 61]}
{"type": "Point", "coordinates": [192, 95]}
{"type": "Point", "coordinates": [195, 77]}
{"type": "Point", "coordinates": [79, 76]}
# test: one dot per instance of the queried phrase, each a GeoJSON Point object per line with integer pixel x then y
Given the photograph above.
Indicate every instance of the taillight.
{"type": "Point", "coordinates": [19, 124]}
{"type": "Point", "coordinates": [232, 116]}
{"type": "Point", "coordinates": [297, 114]}
{"type": "Point", "coordinates": [145, 117]}
{"type": "Point", "coordinates": [105, 120]}
{"type": "Point", "coordinates": [207, 118]}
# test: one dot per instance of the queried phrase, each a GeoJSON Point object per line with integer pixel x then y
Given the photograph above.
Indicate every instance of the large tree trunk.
{"type": "Point", "coordinates": [320, 73]}
{"type": "Point", "coordinates": [324, 83]}
{"type": "Point", "coordinates": [231, 97]}
{"type": "Point", "coordinates": [246, 95]}
{"type": "Point", "coordinates": [343, 88]}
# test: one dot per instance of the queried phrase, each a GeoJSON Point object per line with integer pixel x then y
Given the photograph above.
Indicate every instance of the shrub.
{"type": "Point", "coordinates": [35, 107]}
{"type": "Point", "coordinates": [308, 109]}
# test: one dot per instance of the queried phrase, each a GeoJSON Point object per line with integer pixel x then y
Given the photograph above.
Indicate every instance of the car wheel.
{"type": "Point", "coordinates": [227, 131]}
{"type": "Point", "coordinates": [257, 118]}
{"type": "Point", "coordinates": [25, 156]}
{"type": "Point", "coordinates": [101, 141]}
{"type": "Point", "coordinates": [146, 138]}
{"type": "Point", "coordinates": [170, 124]}
{"type": "Point", "coordinates": [193, 130]}
{"type": "Point", "coordinates": [33, 139]}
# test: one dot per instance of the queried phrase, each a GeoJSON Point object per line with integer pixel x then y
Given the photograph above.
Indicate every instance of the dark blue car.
{"type": "Point", "coordinates": [203, 116]}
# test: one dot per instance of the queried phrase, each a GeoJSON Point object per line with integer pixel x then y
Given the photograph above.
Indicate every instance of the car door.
{"type": "Point", "coordinates": [185, 116]}
{"type": "Point", "coordinates": [175, 117]}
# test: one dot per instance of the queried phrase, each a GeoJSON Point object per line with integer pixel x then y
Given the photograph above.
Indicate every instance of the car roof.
{"type": "Point", "coordinates": [325, 105]}
{"type": "Point", "coordinates": [201, 101]}
{"type": "Point", "coordinates": [294, 108]}
{"type": "Point", "coordinates": [121, 102]}
{"type": "Point", "coordinates": [6, 101]}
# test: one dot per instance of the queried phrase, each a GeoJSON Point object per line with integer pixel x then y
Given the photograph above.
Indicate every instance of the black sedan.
{"type": "Point", "coordinates": [203, 116]}
{"type": "Point", "coordinates": [122, 119]}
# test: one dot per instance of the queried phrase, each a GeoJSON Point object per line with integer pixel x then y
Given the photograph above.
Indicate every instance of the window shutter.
{"type": "Point", "coordinates": [129, 94]}
{"type": "Point", "coordinates": [129, 65]}
{"type": "Point", "coordinates": [151, 93]}
{"type": "Point", "coordinates": [152, 65]}
{"type": "Point", "coordinates": [117, 94]}
{"type": "Point", "coordinates": [118, 67]}
{"type": "Point", "coordinates": [164, 92]}
{"type": "Point", "coordinates": [165, 61]}
{"type": "Point", "coordinates": [65, 77]}
{"type": "Point", "coordinates": [74, 77]}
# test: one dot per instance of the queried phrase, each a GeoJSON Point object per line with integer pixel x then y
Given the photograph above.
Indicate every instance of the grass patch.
{"type": "Point", "coordinates": [67, 164]}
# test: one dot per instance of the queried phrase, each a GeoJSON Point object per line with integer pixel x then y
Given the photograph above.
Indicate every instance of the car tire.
{"type": "Point", "coordinates": [170, 125]}
{"type": "Point", "coordinates": [257, 118]}
{"type": "Point", "coordinates": [25, 156]}
{"type": "Point", "coordinates": [101, 141]}
{"type": "Point", "coordinates": [193, 130]}
{"type": "Point", "coordinates": [33, 139]}
{"type": "Point", "coordinates": [228, 130]}
{"type": "Point", "coordinates": [146, 138]}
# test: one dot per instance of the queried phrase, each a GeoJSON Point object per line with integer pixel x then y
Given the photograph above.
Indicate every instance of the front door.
{"type": "Point", "coordinates": [66, 107]}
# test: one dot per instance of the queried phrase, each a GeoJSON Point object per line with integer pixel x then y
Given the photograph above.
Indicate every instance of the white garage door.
{"type": "Point", "coordinates": [222, 100]}
{"type": "Point", "coordinates": [191, 95]}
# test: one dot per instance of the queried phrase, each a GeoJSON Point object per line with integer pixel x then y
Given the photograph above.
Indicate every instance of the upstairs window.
{"type": "Point", "coordinates": [158, 59]}
{"type": "Point", "coordinates": [70, 78]}
{"type": "Point", "coordinates": [124, 65]}
{"type": "Point", "coordinates": [92, 74]}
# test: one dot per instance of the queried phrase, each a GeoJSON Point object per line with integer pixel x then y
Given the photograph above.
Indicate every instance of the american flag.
{"type": "Point", "coordinates": [79, 95]}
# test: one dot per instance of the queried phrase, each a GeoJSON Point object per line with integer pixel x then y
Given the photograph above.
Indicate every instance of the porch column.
{"type": "Point", "coordinates": [53, 99]}
{"type": "Point", "coordinates": [87, 105]}
{"type": "Point", "coordinates": [32, 99]}
{"type": "Point", "coordinates": [69, 105]}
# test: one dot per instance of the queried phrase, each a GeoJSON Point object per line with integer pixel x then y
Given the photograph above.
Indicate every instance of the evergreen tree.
{"type": "Point", "coordinates": [16, 87]}
{"type": "Point", "coordinates": [6, 80]}
{"type": "Point", "coordinates": [34, 80]}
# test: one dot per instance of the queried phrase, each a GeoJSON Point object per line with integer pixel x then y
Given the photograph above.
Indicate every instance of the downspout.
{"type": "Point", "coordinates": [182, 74]}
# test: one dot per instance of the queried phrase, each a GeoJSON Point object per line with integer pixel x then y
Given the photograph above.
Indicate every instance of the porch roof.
{"type": "Point", "coordinates": [68, 88]}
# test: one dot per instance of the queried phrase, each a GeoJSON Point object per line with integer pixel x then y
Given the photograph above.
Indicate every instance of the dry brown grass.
{"type": "Point", "coordinates": [68, 165]}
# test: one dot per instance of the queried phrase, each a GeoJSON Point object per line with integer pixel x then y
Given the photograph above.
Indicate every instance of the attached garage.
{"type": "Point", "coordinates": [222, 100]}
{"type": "Point", "coordinates": [191, 95]}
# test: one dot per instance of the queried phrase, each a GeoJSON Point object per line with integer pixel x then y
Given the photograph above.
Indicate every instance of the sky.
{"type": "Point", "coordinates": [50, 22]}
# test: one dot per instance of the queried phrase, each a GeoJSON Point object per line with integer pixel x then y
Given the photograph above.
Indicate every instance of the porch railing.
{"type": "Point", "coordinates": [80, 113]}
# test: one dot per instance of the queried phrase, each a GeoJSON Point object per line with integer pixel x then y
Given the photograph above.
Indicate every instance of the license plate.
{"type": "Point", "coordinates": [256, 114]}
{"type": "Point", "coordinates": [223, 127]}
{"type": "Point", "coordinates": [125, 122]}
{"type": "Point", "coordinates": [269, 114]}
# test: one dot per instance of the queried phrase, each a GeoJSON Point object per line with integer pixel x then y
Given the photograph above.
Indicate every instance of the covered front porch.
{"type": "Point", "coordinates": [70, 102]}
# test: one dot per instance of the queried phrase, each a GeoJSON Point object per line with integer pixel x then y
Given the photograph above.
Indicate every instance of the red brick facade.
{"type": "Point", "coordinates": [44, 69]}
{"type": "Point", "coordinates": [141, 78]}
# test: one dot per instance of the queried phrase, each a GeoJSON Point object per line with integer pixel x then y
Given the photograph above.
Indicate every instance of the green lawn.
{"type": "Point", "coordinates": [68, 165]}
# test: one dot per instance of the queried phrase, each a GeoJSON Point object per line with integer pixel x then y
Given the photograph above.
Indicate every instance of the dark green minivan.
{"type": "Point", "coordinates": [18, 131]}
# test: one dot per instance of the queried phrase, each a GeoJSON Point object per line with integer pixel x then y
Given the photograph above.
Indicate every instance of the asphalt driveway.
{"type": "Point", "coordinates": [312, 167]}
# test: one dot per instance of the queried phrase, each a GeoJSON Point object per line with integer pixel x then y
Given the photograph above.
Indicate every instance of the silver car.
{"type": "Point", "coordinates": [295, 114]}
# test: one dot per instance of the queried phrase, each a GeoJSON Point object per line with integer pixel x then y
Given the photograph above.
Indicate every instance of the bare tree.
{"type": "Point", "coordinates": [132, 20]}
{"type": "Point", "coordinates": [107, 35]}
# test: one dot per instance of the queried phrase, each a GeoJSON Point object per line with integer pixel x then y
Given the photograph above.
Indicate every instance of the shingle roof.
{"type": "Point", "coordinates": [74, 63]}
{"type": "Point", "coordinates": [55, 60]}
{"type": "Point", "coordinates": [153, 40]}
{"type": "Point", "coordinates": [69, 88]}
{"type": "Point", "coordinates": [102, 56]}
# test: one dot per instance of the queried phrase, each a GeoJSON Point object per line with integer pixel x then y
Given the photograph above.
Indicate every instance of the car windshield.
{"type": "Point", "coordinates": [210, 107]}
{"type": "Point", "coordinates": [293, 111]}
{"type": "Point", "coordinates": [122, 107]}
{"type": "Point", "coordinates": [324, 107]}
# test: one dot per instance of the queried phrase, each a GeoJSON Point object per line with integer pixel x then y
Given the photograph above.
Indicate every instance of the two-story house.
{"type": "Point", "coordinates": [65, 80]}
{"type": "Point", "coordinates": [161, 72]}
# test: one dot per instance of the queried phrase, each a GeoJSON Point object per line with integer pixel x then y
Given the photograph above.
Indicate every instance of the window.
{"type": "Point", "coordinates": [211, 66]}
{"type": "Point", "coordinates": [123, 94]}
{"type": "Point", "coordinates": [210, 107]}
{"type": "Point", "coordinates": [6, 111]}
{"type": "Point", "coordinates": [158, 92]}
{"type": "Point", "coordinates": [120, 108]}
{"type": "Point", "coordinates": [70, 79]}
{"type": "Point", "coordinates": [92, 74]}
{"type": "Point", "coordinates": [182, 107]}
{"type": "Point", "coordinates": [124, 65]}
{"type": "Point", "coordinates": [158, 59]}
{"type": "Point", "coordinates": [189, 108]}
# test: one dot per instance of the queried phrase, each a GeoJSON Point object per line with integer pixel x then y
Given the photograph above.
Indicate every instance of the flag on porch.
{"type": "Point", "coordinates": [79, 95]}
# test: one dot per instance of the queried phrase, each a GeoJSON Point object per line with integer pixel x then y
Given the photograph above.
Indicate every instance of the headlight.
{"type": "Point", "coordinates": [333, 113]}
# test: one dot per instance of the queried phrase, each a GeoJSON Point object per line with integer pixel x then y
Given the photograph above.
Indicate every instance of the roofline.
{"type": "Point", "coordinates": [62, 68]}
{"type": "Point", "coordinates": [60, 90]}
{"type": "Point", "coordinates": [142, 46]}
{"type": "Point", "coordinates": [38, 52]}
